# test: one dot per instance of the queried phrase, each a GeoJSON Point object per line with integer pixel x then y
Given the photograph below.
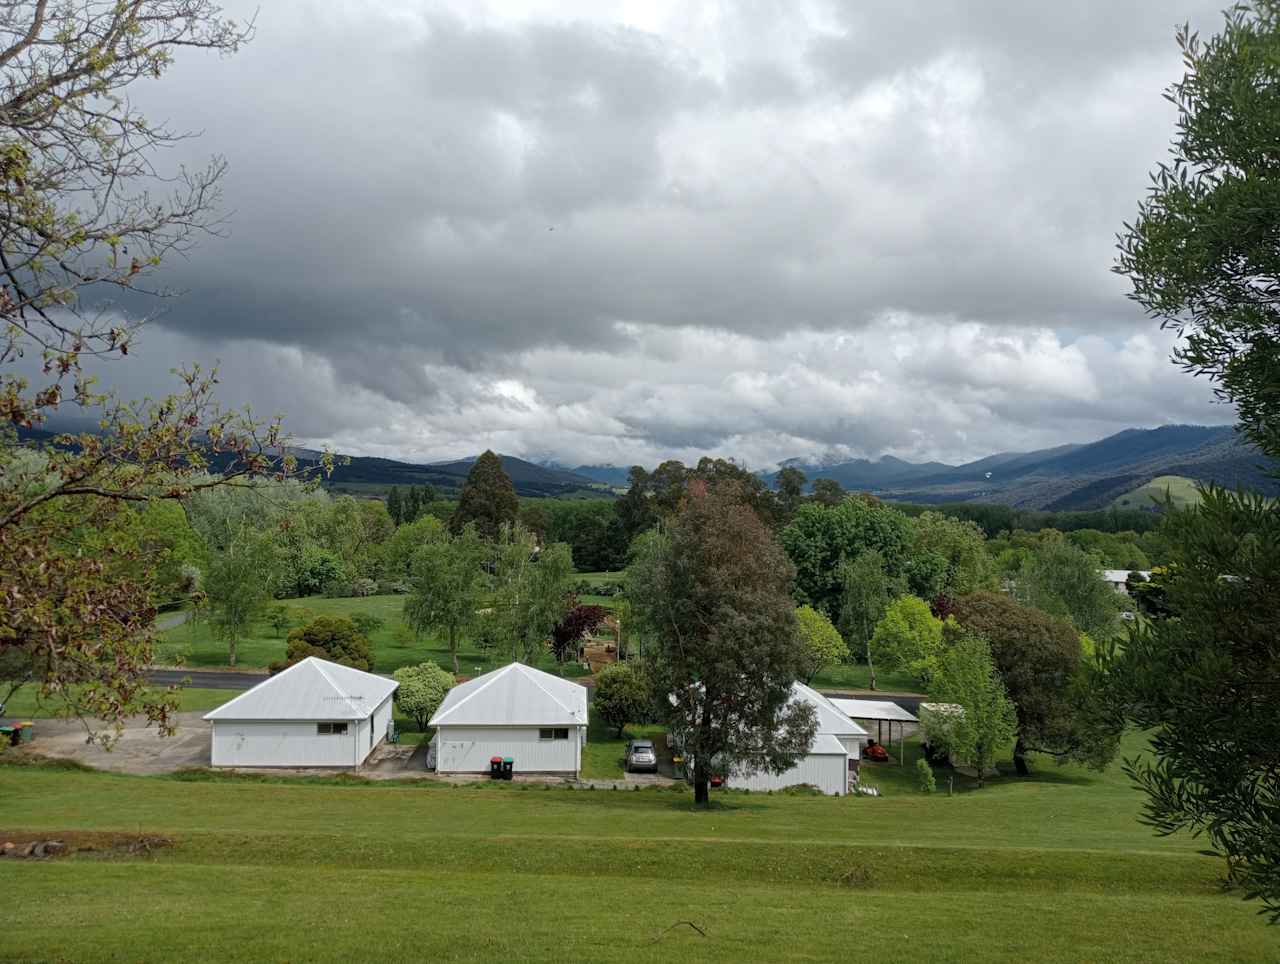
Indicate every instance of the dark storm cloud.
{"type": "Point", "coordinates": [424, 202]}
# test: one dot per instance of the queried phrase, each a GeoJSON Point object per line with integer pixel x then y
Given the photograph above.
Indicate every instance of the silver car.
{"type": "Point", "coordinates": [641, 756]}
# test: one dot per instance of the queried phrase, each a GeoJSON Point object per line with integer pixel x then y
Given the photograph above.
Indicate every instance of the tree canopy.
{"type": "Point", "coordinates": [823, 643]}
{"type": "Point", "coordinates": [488, 499]}
{"type": "Point", "coordinates": [421, 691]}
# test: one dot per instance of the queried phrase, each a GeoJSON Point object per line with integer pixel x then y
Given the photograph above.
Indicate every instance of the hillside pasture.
{"type": "Point", "coordinates": [1051, 868]}
{"type": "Point", "coordinates": [1178, 487]}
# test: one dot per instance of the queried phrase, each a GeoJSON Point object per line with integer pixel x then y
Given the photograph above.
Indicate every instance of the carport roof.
{"type": "Point", "coordinates": [515, 695]}
{"type": "Point", "coordinates": [872, 710]}
{"type": "Point", "coordinates": [313, 689]}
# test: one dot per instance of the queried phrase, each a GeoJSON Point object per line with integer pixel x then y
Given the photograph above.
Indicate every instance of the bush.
{"type": "Point", "coordinates": [367, 623]}
{"type": "Point", "coordinates": [363, 586]}
{"type": "Point", "coordinates": [334, 638]}
{"type": "Point", "coordinates": [623, 695]}
{"type": "Point", "coordinates": [422, 690]}
{"type": "Point", "coordinates": [338, 589]}
{"type": "Point", "coordinates": [393, 587]}
{"type": "Point", "coordinates": [924, 777]}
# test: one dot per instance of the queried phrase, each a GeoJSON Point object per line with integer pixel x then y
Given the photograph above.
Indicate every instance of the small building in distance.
{"type": "Point", "coordinates": [536, 719]}
{"type": "Point", "coordinates": [313, 714]}
{"type": "Point", "coordinates": [1118, 579]}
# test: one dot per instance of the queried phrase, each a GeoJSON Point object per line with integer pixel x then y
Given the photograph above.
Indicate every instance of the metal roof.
{"type": "Point", "coordinates": [831, 719]}
{"type": "Point", "coordinates": [873, 710]}
{"type": "Point", "coordinates": [313, 689]}
{"type": "Point", "coordinates": [826, 744]}
{"type": "Point", "coordinates": [515, 695]}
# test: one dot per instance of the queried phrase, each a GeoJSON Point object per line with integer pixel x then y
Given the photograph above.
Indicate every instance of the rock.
{"type": "Point", "coordinates": [29, 849]}
{"type": "Point", "coordinates": [8, 848]}
{"type": "Point", "coordinates": [38, 850]}
{"type": "Point", "coordinates": [54, 847]}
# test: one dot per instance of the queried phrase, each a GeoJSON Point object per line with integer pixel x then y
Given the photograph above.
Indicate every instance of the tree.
{"type": "Point", "coordinates": [488, 498]}
{"type": "Point", "coordinates": [411, 508]}
{"type": "Point", "coordinates": [531, 592]}
{"type": "Point", "coordinates": [635, 510]}
{"type": "Point", "coordinates": [1039, 659]}
{"type": "Point", "coordinates": [791, 483]}
{"type": "Point", "coordinates": [239, 583]}
{"type": "Point", "coordinates": [368, 623]}
{"type": "Point", "coordinates": [422, 689]}
{"type": "Point", "coordinates": [334, 638]}
{"type": "Point", "coordinates": [448, 583]}
{"type": "Point", "coordinates": [966, 676]}
{"type": "Point", "coordinates": [623, 694]}
{"type": "Point", "coordinates": [395, 508]}
{"type": "Point", "coordinates": [828, 492]}
{"type": "Point", "coordinates": [961, 545]}
{"type": "Point", "coordinates": [713, 593]}
{"type": "Point", "coordinates": [280, 618]}
{"type": "Point", "coordinates": [819, 538]}
{"type": "Point", "coordinates": [397, 552]}
{"type": "Point", "coordinates": [1065, 581]}
{"type": "Point", "coordinates": [909, 637]}
{"type": "Point", "coordinates": [1202, 253]}
{"type": "Point", "coordinates": [1205, 677]}
{"type": "Point", "coordinates": [823, 644]}
{"type": "Point", "coordinates": [866, 590]}
{"type": "Point", "coordinates": [577, 623]}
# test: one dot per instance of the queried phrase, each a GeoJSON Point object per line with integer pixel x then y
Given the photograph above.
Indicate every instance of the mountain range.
{"type": "Point", "coordinates": [1066, 477]}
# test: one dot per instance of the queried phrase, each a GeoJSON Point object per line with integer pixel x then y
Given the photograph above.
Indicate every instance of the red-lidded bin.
{"type": "Point", "coordinates": [495, 768]}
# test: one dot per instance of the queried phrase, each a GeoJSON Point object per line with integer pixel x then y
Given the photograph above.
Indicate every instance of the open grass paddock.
{"type": "Point", "coordinates": [1052, 868]}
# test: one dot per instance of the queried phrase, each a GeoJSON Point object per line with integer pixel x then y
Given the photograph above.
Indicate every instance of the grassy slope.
{"type": "Point", "coordinates": [26, 703]}
{"type": "Point", "coordinates": [1053, 868]}
{"type": "Point", "coordinates": [1181, 488]}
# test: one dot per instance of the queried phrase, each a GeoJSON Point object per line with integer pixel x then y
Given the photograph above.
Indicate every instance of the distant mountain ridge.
{"type": "Point", "coordinates": [1066, 477]}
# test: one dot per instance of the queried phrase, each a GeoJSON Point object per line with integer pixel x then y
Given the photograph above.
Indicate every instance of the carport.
{"type": "Point", "coordinates": [878, 712]}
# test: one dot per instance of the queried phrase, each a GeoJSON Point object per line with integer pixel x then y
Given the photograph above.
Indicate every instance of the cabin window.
{"type": "Point", "coordinates": [557, 733]}
{"type": "Point", "coordinates": [331, 729]}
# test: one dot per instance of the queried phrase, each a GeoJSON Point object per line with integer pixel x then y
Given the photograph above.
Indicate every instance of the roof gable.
{"type": "Point", "coordinates": [313, 689]}
{"type": "Point", "coordinates": [514, 695]}
{"type": "Point", "coordinates": [830, 719]}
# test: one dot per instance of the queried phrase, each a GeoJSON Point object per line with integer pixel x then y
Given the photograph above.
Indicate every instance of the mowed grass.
{"type": "Point", "coordinates": [394, 644]}
{"type": "Point", "coordinates": [26, 703]}
{"type": "Point", "coordinates": [1053, 868]}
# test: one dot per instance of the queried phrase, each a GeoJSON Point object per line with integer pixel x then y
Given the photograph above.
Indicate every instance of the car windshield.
{"type": "Point", "coordinates": [641, 746]}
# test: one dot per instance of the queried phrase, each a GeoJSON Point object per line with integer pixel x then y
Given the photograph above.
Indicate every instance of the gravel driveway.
{"type": "Point", "coordinates": [140, 749]}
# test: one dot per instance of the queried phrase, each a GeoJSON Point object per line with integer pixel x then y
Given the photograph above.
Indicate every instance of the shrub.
{"type": "Point", "coordinates": [623, 695]}
{"type": "Point", "coordinates": [363, 586]}
{"type": "Point", "coordinates": [334, 638]}
{"type": "Point", "coordinates": [338, 589]}
{"type": "Point", "coordinates": [393, 587]}
{"type": "Point", "coordinates": [924, 777]}
{"type": "Point", "coordinates": [368, 623]}
{"type": "Point", "coordinates": [422, 690]}
{"type": "Point", "coordinates": [280, 618]}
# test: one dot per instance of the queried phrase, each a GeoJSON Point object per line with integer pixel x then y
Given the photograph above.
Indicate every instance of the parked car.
{"type": "Point", "coordinates": [641, 757]}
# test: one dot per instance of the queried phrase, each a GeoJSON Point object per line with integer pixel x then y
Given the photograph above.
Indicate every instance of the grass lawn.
{"type": "Point", "coordinates": [602, 756]}
{"type": "Point", "coordinates": [854, 676]}
{"type": "Point", "coordinates": [1180, 488]}
{"type": "Point", "coordinates": [26, 703]}
{"type": "Point", "coordinates": [1052, 868]}
{"type": "Point", "coordinates": [393, 645]}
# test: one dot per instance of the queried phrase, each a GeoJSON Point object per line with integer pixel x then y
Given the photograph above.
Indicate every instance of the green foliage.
{"type": "Point", "coordinates": [712, 594]}
{"type": "Point", "coordinates": [1206, 677]}
{"type": "Point", "coordinates": [238, 584]}
{"type": "Point", "coordinates": [925, 779]}
{"type": "Point", "coordinates": [397, 552]}
{"type": "Point", "coordinates": [488, 499]}
{"type": "Point", "coordinates": [368, 623]}
{"type": "Point", "coordinates": [967, 677]}
{"type": "Point", "coordinates": [334, 638]}
{"type": "Point", "coordinates": [422, 689]}
{"type": "Point", "coordinates": [623, 694]}
{"type": "Point", "coordinates": [960, 545]}
{"type": "Point", "coordinates": [823, 644]}
{"type": "Point", "coordinates": [908, 637]}
{"type": "Point", "coordinates": [866, 590]}
{"type": "Point", "coordinates": [280, 618]}
{"type": "Point", "coordinates": [1039, 659]}
{"type": "Point", "coordinates": [1065, 581]}
{"type": "Point", "coordinates": [448, 586]}
{"type": "Point", "coordinates": [531, 592]}
{"type": "Point", "coordinates": [592, 529]}
{"type": "Point", "coordinates": [819, 538]}
{"type": "Point", "coordinates": [1201, 253]}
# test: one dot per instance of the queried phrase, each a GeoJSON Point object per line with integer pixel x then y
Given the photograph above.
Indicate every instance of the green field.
{"type": "Point", "coordinates": [26, 703]}
{"type": "Point", "coordinates": [1181, 489]}
{"type": "Point", "coordinates": [1053, 868]}
{"type": "Point", "coordinates": [393, 645]}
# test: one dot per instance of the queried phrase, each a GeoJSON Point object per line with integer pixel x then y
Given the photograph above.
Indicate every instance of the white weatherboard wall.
{"type": "Point", "coordinates": [281, 721]}
{"type": "Point", "coordinates": [503, 713]}
{"type": "Point", "coordinates": [461, 749]}
{"type": "Point", "coordinates": [826, 771]}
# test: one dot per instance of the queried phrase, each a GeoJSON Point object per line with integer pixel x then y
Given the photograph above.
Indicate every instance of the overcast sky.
{"type": "Point", "coordinates": [616, 232]}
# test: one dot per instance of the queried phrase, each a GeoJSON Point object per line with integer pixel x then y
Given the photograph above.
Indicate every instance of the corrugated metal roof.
{"type": "Point", "coordinates": [830, 718]}
{"type": "Point", "coordinates": [313, 689]}
{"type": "Point", "coordinates": [825, 744]}
{"type": "Point", "coordinates": [873, 710]}
{"type": "Point", "coordinates": [515, 695]}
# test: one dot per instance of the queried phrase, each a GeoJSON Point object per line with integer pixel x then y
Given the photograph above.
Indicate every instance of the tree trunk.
{"type": "Point", "coordinates": [871, 665]}
{"type": "Point", "coordinates": [453, 648]}
{"type": "Point", "coordinates": [1020, 758]}
{"type": "Point", "coordinates": [231, 652]}
{"type": "Point", "coordinates": [701, 782]}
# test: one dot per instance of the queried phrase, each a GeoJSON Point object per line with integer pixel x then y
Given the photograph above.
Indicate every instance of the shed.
{"type": "Point", "coordinates": [314, 714]}
{"type": "Point", "coordinates": [536, 719]}
{"type": "Point", "coordinates": [832, 762]}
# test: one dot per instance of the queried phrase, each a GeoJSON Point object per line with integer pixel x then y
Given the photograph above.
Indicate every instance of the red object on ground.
{"type": "Point", "coordinates": [874, 751]}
